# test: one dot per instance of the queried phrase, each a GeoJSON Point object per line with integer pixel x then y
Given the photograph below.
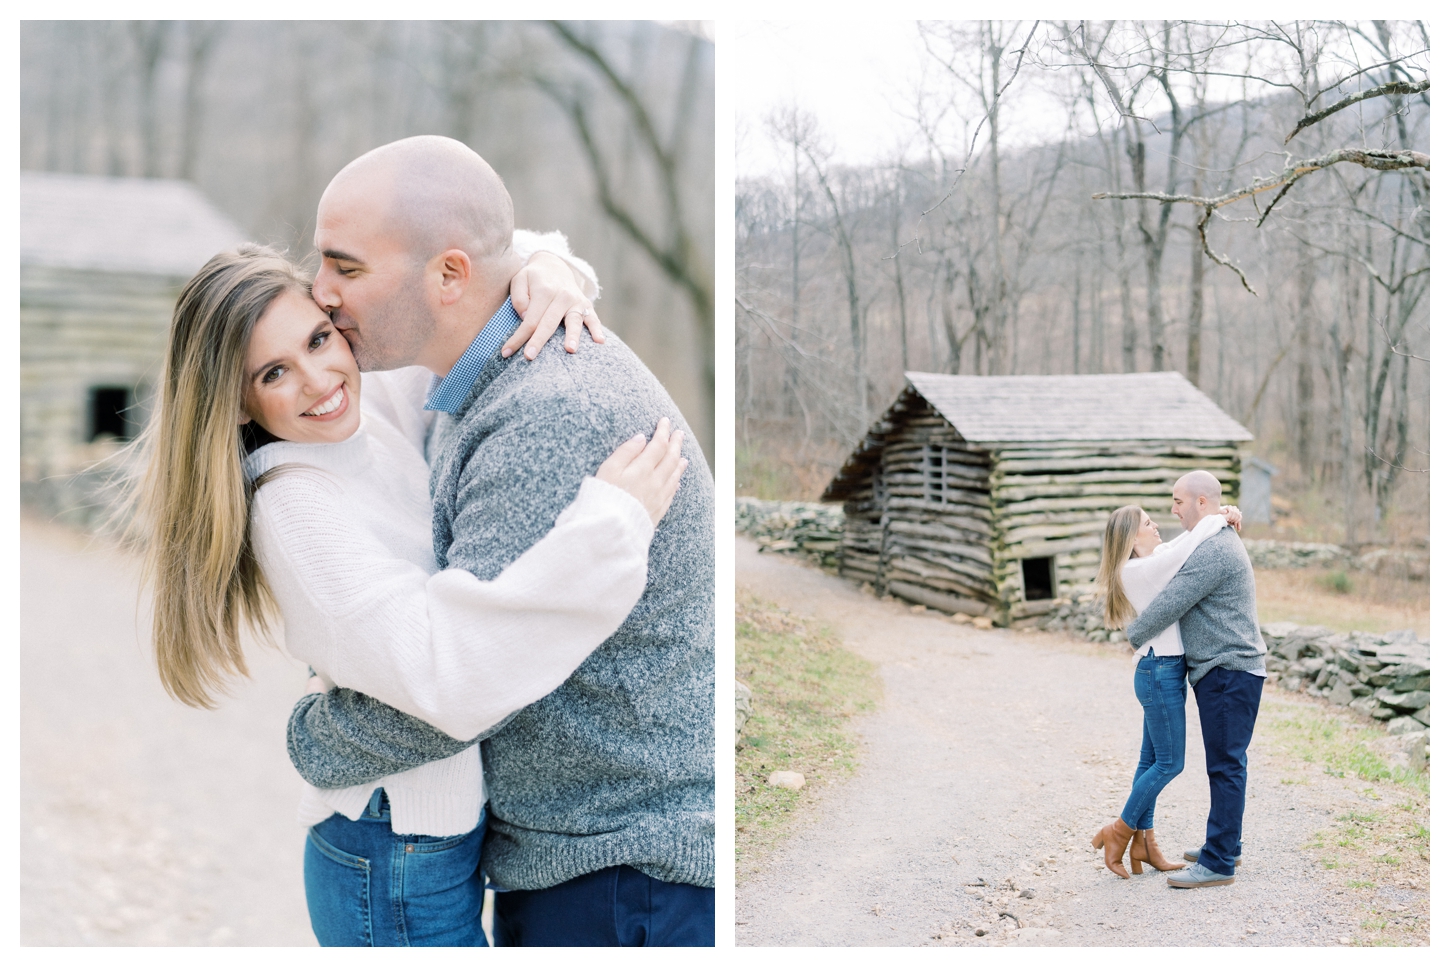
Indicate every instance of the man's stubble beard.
{"type": "Point", "coordinates": [397, 331]}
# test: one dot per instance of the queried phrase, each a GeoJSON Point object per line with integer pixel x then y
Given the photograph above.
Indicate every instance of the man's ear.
{"type": "Point", "coordinates": [455, 269]}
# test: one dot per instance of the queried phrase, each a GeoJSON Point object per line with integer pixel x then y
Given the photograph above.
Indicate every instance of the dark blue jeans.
{"type": "Point", "coordinates": [370, 887]}
{"type": "Point", "coordinates": [614, 907]}
{"type": "Point", "coordinates": [1162, 689]}
{"type": "Point", "coordinates": [1228, 706]}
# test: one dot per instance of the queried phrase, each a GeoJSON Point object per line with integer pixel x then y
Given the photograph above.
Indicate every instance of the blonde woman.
{"type": "Point", "coordinates": [1136, 565]}
{"type": "Point", "coordinates": [282, 481]}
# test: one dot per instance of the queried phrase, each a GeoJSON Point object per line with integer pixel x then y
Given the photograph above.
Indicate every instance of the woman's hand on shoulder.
{"type": "Point", "coordinates": [1234, 516]}
{"type": "Point", "coordinates": [545, 293]}
{"type": "Point", "coordinates": [648, 471]}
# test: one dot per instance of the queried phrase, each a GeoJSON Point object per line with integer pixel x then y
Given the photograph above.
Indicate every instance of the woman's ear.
{"type": "Point", "coordinates": [242, 418]}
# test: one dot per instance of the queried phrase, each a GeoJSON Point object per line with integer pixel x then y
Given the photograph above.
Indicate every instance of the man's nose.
{"type": "Point", "coordinates": [324, 290]}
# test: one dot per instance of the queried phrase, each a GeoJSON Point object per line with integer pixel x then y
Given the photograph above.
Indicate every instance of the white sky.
{"type": "Point", "coordinates": [858, 77]}
{"type": "Point", "coordinates": [849, 73]}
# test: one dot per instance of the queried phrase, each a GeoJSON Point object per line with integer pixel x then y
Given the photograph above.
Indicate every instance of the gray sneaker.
{"type": "Point", "coordinates": [1191, 855]}
{"type": "Point", "coordinates": [1197, 875]}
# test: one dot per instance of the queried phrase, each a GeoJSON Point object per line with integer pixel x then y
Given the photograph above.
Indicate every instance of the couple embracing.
{"type": "Point", "coordinates": [499, 569]}
{"type": "Point", "coordinates": [1188, 607]}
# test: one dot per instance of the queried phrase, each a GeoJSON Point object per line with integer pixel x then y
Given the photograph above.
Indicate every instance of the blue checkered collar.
{"type": "Point", "coordinates": [449, 393]}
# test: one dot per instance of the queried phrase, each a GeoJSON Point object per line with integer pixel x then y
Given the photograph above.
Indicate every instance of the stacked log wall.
{"type": "Point", "coordinates": [1000, 503]}
{"type": "Point", "coordinates": [1053, 500]}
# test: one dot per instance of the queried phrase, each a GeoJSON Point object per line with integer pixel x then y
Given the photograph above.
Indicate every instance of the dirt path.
{"type": "Point", "coordinates": [993, 757]}
{"type": "Point", "coordinates": [143, 821]}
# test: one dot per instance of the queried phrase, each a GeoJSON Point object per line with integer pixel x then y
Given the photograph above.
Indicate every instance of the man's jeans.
{"type": "Point", "coordinates": [1228, 705]}
{"type": "Point", "coordinates": [1162, 689]}
{"type": "Point", "coordinates": [370, 887]}
{"type": "Point", "coordinates": [614, 907]}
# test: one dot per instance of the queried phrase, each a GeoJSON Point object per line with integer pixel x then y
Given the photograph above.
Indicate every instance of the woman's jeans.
{"type": "Point", "coordinates": [370, 887]}
{"type": "Point", "coordinates": [1161, 685]}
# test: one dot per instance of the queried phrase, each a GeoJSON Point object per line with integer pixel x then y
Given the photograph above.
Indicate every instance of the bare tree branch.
{"type": "Point", "coordinates": [1394, 87]}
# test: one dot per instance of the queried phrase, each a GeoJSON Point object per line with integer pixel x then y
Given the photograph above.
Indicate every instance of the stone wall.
{"type": "Point", "coordinates": [793, 527]}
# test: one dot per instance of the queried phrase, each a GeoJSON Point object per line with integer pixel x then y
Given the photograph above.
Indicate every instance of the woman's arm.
{"type": "Point", "coordinates": [1145, 577]}
{"type": "Point", "coordinates": [457, 652]}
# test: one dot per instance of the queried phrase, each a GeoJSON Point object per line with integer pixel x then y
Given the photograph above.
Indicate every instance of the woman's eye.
{"type": "Point", "coordinates": [272, 375]}
{"type": "Point", "coordinates": [317, 340]}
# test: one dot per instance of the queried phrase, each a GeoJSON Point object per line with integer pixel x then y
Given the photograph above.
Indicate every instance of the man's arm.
{"type": "Point", "coordinates": [344, 738]}
{"type": "Point", "coordinates": [1198, 577]}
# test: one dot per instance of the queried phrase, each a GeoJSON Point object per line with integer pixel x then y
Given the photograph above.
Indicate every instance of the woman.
{"type": "Point", "coordinates": [328, 521]}
{"type": "Point", "coordinates": [1136, 565]}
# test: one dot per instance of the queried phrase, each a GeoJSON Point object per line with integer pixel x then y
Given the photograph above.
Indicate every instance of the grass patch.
{"type": "Point", "coordinates": [805, 686]}
{"type": "Point", "coordinates": [1336, 582]}
{"type": "Point", "coordinates": [1379, 837]}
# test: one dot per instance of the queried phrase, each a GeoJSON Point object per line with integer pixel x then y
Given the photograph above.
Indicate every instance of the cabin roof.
{"type": "Point", "coordinates": [1006, 410]}
{"type": "Point", "coordinates": [153, 226]}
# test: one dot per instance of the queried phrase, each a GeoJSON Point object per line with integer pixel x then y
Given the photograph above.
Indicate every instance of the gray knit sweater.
{"type": "Point", "coordinates": [1212, 599]}
{"type": "Point", "coordinates": [616, 766]}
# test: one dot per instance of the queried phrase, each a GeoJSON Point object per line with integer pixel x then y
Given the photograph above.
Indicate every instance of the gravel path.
{"type": "Point", "coordinates": [143, 821]}
{"type": "Point", "coordinates": [991, 760]}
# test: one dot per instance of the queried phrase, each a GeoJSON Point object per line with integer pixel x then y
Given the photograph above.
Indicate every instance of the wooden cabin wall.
{"type": "Point", "coordinates": [935, 551]}
{"type": "Point", "coordinates": [1053, 500]}
{"type": "Point", "coordinates": [999, 504]}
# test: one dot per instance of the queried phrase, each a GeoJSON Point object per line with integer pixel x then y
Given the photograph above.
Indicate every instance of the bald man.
{"type": "Point", "coordinates": [601, 795]}
{"type": "Point", "coordinates": [1212, 599]}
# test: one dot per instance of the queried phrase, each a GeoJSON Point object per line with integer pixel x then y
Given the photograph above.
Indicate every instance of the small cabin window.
{"type": "Point", "coordinates": [110, 412]}
{"type": "Point", "coordinates": [878, 488]}
{"type": "Point", "coordinates": [934, 474]}
{"type": "Point", "coordinates": [1039, 579]}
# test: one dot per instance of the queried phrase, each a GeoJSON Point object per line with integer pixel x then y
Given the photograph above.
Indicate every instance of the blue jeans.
{"type": "Point", "coordinates": [1228, 707]}
{"type": "Point", "coordinates": [370, 887]}
{"type": "Point", "coordinates": [1162, 688]}
{"type": "Point", "coordinates": [614, 907]}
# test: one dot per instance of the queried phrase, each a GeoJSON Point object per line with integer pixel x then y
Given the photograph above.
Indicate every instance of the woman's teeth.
{"type": "Point", "coordinates": [332, 403]}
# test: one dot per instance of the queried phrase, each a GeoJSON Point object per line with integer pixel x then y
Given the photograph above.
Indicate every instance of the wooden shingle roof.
{"type": "Point", "coordinates": [153, 226]}
{"type": "Point", "coordinates": [1110, 406]}
{"type": "Point", "coordinates": [1014, 410]}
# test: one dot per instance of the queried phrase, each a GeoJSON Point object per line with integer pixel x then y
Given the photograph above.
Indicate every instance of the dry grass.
{"type": "Point", "coordinates": [1374, 602]}
{"type": "Point", "coordinates": [805, 686]}
{"type": "Point", "coordinates": [1377, 848]}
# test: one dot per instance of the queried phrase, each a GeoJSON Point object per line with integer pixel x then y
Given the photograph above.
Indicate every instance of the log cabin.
{"type": "Point", "coordinates": [988, 495]}
{"type": "Point", "coordinates": [102, 261]}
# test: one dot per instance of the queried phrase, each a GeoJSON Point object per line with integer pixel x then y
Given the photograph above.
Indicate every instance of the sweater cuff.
{"type": "Point", "coordinates": [598, 496]}
{"type": "Point", "coordinates": [527, 244]}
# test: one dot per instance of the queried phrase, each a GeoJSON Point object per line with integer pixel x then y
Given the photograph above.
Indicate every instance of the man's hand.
{"type": "Point", "coordinates": [546, 292]}
{"type": "Point", "coordinates": [1234, 517]}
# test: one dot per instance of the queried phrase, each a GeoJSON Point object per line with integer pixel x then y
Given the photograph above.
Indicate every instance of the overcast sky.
{"type": "Point", "coordinates": [859, 78]}
{"type": "Point", "coordinates": [849, 73]}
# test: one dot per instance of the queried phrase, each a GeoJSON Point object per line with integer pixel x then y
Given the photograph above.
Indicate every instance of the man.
{"type": "Point", "coordinates": [602, 793]}
{"type": "Point", "coordinates": [1212, 599]}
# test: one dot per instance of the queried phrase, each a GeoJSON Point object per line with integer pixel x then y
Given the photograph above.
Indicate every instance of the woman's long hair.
{"type": "Point", "coordinates": [1118, 541]}
{"type": "Point", "coordinates": [190, 509]}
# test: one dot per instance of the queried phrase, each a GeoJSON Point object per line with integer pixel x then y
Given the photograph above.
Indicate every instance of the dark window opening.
{"type": "Point", "coordinates": [110, 412]}
{"type": "Point", "coordinates": [1037, 579]}
{"type": "Point", "coordinates": [933, 472]}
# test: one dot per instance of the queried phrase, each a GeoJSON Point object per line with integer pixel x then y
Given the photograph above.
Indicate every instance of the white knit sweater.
{"type": "Point", "coordinates": [344, 537]}
{"type": "Point", "coordinates": [1145, 577]}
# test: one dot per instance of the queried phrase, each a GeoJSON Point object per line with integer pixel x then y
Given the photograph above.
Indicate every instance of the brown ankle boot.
{"type": "Point", "coordinates": [1113, 840]}
{"type": "Point", "coordinates": [1145, 848]}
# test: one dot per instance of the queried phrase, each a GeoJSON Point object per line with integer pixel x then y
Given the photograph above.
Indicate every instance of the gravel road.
{"type": "Point", "coordinates": [142, 821]}
{"type": "Point", "coordinates": [990, 761]}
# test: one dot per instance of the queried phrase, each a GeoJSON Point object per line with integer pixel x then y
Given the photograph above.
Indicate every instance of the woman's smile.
{"type": "Point", "coordinates": [331, 408]}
